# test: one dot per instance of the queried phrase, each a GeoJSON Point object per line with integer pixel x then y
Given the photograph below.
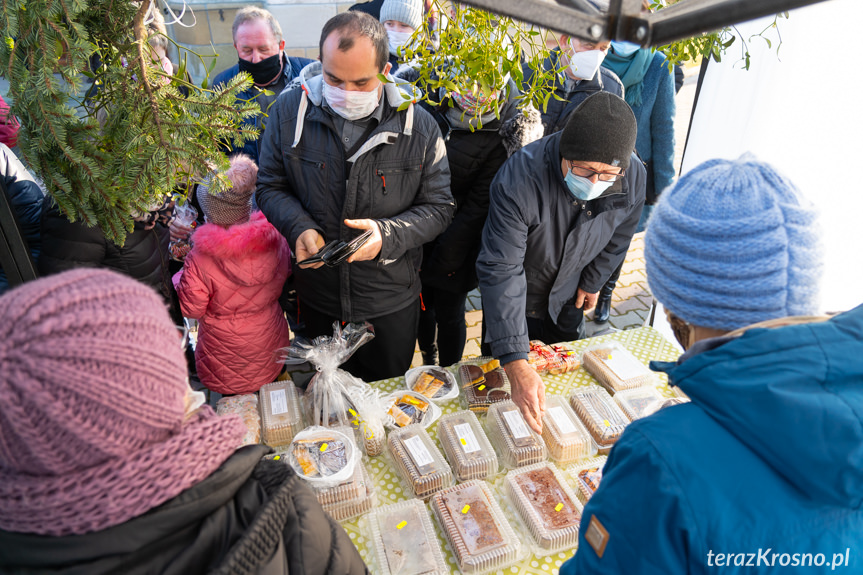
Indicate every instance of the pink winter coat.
{"type": "Point", "coordinates": [231, 282]}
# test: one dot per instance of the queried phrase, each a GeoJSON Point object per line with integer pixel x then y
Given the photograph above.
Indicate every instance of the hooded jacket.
{"type": "Point", "coordinates": [766, 460]}
{"type": "Point", "coordinates": [25, 198]}
{"type": "Point", "coordinates": [231, 282]}
{"type": "Point", "coordinates": [400, 178]}
{"type": "Point", "coordinates": [540, 244]}
{"type": "Point", "coordinates": [251, 516]}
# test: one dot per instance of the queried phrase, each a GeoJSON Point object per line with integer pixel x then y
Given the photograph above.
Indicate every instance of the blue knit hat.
{"type": "Point", "coordinates": [734, 243]}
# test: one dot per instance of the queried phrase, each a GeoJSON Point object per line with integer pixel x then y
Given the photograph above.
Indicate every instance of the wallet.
{"type": "Point", "coordinates": [335, 252]}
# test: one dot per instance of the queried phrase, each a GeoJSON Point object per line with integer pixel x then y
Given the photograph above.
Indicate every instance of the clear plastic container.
{"type": "Point", "coordinates": [474, 525]}
{"type": "Point", "coordinates": [616, 368]}
{"type": "Point", "coordinates": [433, 382]}
{"type": "Point", "coordinates": [246, 406]}
{"type": "Point", "coordinates": [419, 461]}
{"type": "Point", "coordinates": [564, 435]}
{"type": "Point", "coordinates": [466, 446]}
{"type": "Point", "coordinates": [569, 359]}
{"type": "Point", "coordinates": [668, 402]}
{"type": "Point", "coordinates": [280, 413]}
{"type": "Point", "coordinates": [324, 457]}
{"type": "Point", "coordinates": [547, 505]}
{"type": "Point", "coordinates": [542, 357]}
{"type": "Point", "coordinates": [587, 476]}
{"type": "Point", "coordinates": [679, 393]}
{"type": "Point", "coordinates": [350, 490]}
{"type": "Point", "coordinates": [604, 420]}
{"type": "Point", "coordinates": [364, 500]}
{"type": "Point", "coordinates": [517, 444]}
{"type": "Point", "coordinates": [408, 408]}
{"type": "Point", "coordinates": [484, 383]}
{"type": "Point", "coordinates": [404, 540]}
{"type": "Point", "coordinates": [639, 402]}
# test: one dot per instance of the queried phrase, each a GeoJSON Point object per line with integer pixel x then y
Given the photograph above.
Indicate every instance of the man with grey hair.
{"type": "Point", "coordinates": [260, 52]}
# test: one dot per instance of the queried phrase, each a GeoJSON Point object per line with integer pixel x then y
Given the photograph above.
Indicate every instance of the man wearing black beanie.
{"type": "Point", "coordinates": [563, 211]}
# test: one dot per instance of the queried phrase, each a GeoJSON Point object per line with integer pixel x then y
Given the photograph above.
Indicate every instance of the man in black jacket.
{"type": "Point", "coordinates": [563, 211]}
{"type": "Point", "coordinates": [353, 154]}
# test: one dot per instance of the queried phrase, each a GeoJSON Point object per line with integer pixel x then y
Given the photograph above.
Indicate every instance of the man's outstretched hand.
{"type": "Point", "coordinates": [528, 392]}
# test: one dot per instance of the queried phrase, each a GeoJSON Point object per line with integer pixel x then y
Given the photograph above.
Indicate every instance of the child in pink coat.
{"type": "Point", "coordinates": [231, 282]}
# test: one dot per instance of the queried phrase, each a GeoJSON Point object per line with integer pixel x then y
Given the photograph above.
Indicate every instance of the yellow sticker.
{"type": "Point", "coordinates": [609, 356]}
{"type": "Point", "coordinates": [463, 442]}
{"type": "Point", "coordinates": [607, 424]}
{"type": "Point", "coordinates": [412, 400]}
{"type": "Point", "coordinates": [276, 458]}
{"type": "Point", "coordinates": [481, 387]}
{"type": "Point", "coordinates": [558, 507]}
{"type": "Point", "coordinates": [356, 422]}
{"type": "Point", "coordinates": [323, 447]}
{"type": "Point", "coordinates": [402, 524]}
{"type": "Point", "coordinates": [352, 412]}
{"type": "Point", "coordinates": [465, 509]}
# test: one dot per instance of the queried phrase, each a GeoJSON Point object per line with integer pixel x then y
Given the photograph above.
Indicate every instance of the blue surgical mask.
{"type": "Point", "coordinates": [583, 189]}
{"type": "Point", "coordinates": [624, 49]}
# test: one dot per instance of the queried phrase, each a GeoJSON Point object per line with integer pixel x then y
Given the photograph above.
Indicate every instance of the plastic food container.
{"type": "Point", "coordinates": [471, 519]}
{"type": "Point", "coordinates": [246, 406]}
{"type": "Point", "coordinates": [419, 461]}
{"type": "Point", "coordinates": [280, 413]}
{"type": "Point", "coordinates": [569, 359]}
{"type": "Point", "coordinates": [564, 435]}
{"type": "Point", "coordinates": [324, 457]}
{"type": "Point", "coordinates": [542, 357]}
{"type": "Point", "coordinates": [408, 408]}
{"type": "Point", "coordinates": [602, 418]}
{"type": "Point", "coordinates": [587, 476]}
{"type": "Point", "coordinates": [363, 501]}
{"type": "Point", "coordinates": [466, 446]}
{"type": "Point", "coordinates": [405, 542]}
{"type": "Point", "coordinates": [517, 444]}
{"type": "Point", "coordinates": [639, 402]}
{"type": "Point", "coordinates": [433, 382]}
{"type": "Point", "coordinates": [484, 383]}
{"type": "Point", "coordinates": [547, 506]}
{"type": "Point", "coordinates": [615, 367]}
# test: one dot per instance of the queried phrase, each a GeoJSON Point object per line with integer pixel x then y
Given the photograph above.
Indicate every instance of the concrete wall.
{"type": "Point", "coordinates": [210, 23]}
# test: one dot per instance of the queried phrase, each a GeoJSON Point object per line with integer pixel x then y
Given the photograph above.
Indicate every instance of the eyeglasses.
{"type": "Point", "coordinates": [588, 173]}
{"type": "Point", "coordinates": [184, 336]}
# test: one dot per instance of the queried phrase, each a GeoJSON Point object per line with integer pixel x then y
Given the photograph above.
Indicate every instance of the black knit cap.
{"type": "Point", "coordinates": [600, 129]}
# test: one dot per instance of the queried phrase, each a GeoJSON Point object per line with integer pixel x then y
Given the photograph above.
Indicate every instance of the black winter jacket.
{"type": "Point", "coordinates": [26, 199]}
{"type": "Point", "coordinates": [251, 516]}
{"type": "Point", "coordinates": [540, 244]}
{"type": "Point", "coordinates": [68, 245]}
{"type": "Point", "coordinates": [400, 178]}
{"type": "Point", "coordinates": [558, 111]}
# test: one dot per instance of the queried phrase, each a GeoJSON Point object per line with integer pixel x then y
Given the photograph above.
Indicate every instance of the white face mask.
{"type": "Point", "coordinates": [397, 40]}
{"type": "Point", "coordinates": [349, 104]}
{"type": "Point", "coordinates": [583, 65]}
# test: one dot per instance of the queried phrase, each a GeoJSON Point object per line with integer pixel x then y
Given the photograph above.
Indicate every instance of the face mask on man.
{"type": "Point", "coordinates": [265, 71]}
{"type": "Point", "coordinates": [397, 40]}
{"type": "Point", "coordinates": [583, 189]}
{"type": "Point", "coordinates": [350, 104]}
{"type": "Point", "coordinates": [584, 65]}
{"type": "Point", "coordinates": [624, 49]}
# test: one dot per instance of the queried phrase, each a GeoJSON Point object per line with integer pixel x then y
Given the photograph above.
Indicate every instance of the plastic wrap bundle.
{"type": "Point", "coordinates": [335, 398]}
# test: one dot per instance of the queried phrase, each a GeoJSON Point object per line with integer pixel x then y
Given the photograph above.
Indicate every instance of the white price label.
{"type": "Point", "coordinates": [466, 438]}
{"type": "Point", "coordinates": [418, 451]}
{"type": "Point", "coordinates": [515, 422]}
{"type": "Point", "coordinates": [564, 424]}
{"type": "Point", "coordinates": [624, 365]}
{"type": "Point", "coordinates": [278, 401]}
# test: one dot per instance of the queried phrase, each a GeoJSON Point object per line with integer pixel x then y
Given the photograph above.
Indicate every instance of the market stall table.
{"type": "Point", "coordinates": [645, 343]}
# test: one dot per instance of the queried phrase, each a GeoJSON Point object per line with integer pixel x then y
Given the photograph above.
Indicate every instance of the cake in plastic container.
{"type": "Point", "coordinates": [587, 475]}
{"type": "Point", "coordinates": [547, 505]}
{"type": "Point", "coordinates": [323, 456]}
{"type": "Point", "coordinates": [280, 413]}
{"type": "Point", "coordinates": [404, 540]}
{"type": "Point", "coordinates": [639, 402]}
{"type": "Point", "coordinates": [433, 382]}
{"type": "Point", "coordinates": [246, 406]}
{"type": "Point", "coordinates": [474, 525]}
{"type": "Point", "coordinates": [616, 368]}
{"type": "Point", "coordinates": [355, 498]}
{"type": "Point", "coordinates": [565, 436]}
{"type": "Point", "coordinates": [569, 359]}
{"type": "Point", "coordinates": [517, 444]}
{"type": "Point", "coordinates": [408, 407]}
{"type": "Point", "coordinates": [484, 383]}
{"type": "Point", "coordinates": [601, 416]}
{"type": "Point", "coordinates": [466, 446]}
{"type": "Point", "coordinates": [419, 461]}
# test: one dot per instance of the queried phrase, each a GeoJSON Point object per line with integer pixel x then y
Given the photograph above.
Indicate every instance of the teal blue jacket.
{"type": "Point", "coordinates": [765, 464]}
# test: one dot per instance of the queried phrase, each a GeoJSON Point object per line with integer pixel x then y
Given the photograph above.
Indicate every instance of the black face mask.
{"type": "Point", "coordinates": [265, 71]}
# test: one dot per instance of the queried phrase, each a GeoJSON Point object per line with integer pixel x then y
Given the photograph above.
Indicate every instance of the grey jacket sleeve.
{"type": "Point", "coordinates": [433, 206]}
{"type": "Point", "coordinates": [597, 272]}
{"type": "Point", "coordinates": [500, 269]}
{"type": "Point", "coordinates": [274, 195]}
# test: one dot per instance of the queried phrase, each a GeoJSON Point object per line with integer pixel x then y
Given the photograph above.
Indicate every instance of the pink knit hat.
{"type": "Point", "coordinates": [92, 399]}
